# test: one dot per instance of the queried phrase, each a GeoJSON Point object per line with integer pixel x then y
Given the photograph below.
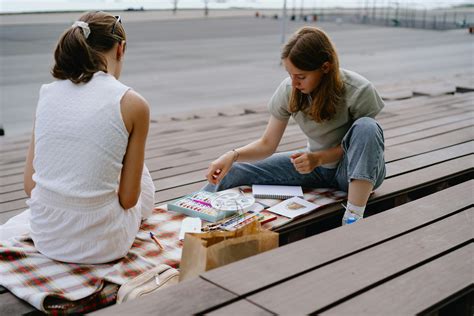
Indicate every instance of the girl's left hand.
{"type": "Point", "coordinates": [305, 162]}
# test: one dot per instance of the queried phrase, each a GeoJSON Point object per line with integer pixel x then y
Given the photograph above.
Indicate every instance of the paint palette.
{"type": "Point", "coordinates": [198, 204]}
{"type": "Point", "coordinates": [232, 201]}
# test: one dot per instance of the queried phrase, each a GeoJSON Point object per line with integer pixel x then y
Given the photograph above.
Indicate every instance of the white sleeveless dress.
{"type": "Point", "coordinates": [80, 142]}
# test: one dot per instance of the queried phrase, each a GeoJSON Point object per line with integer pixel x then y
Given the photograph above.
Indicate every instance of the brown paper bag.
{"type": "Point", "coordinates": [206, 251]}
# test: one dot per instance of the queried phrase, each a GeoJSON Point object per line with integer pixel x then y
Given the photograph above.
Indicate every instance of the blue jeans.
{"type": "Point", "coordinates": [363, 159]}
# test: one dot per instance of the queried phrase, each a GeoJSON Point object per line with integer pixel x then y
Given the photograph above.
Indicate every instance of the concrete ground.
{"type": "Point", "coordinates": [190, 63]}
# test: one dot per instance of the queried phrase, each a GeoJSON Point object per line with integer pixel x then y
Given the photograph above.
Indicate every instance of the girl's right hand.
{"type": "Point", "coordinates": [219, 167]}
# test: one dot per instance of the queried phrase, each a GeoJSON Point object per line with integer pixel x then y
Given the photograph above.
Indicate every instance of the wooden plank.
{"type": "Point", "coordinates": [416, 290]}
{"type": "Point", "coordinates": [434, 89]}
{"type": "Point", "coordinates": [174, 193]}
{"type": "Point", "coordinates": [220, 141]}
{"type": "Point", "coordinates": [180, 190]}
{"type": "Point", "coordinates": [421, 117]}
{"type": "Point", "coordinates": [428, 144]}
{"type": "Point", "coordinates": [434, 105]}
{"type": "Point", "coordinates": [203, 164]}
{"type": "Point", "coordinates": [11, 187]}
{"type": "Point", "coordinates": [416, 106]}
{"type": "Point", "coordinates": [391, 188]}
{"type": "Point", "coordinates": [412, 148]}
{"type": "Point", "coordinates": [161, 147]}
{"type": "Point", "coordinates": [172, 182]}
{"type": "Point", "coordinates": [181, 156]}
{"type": "Point", "coordinates": [317, 289]}
{"type": "Point", "coordinates": [256, 272]}
{"type": "Point", "coordinates": [405, 130]}
{"type": "Point", "coordinates": [423, 160]}
{"type": "Point", "coordinates": [185, 298]}
{"type": "Point", "coordinates": [198, 175]}
{"type": "Point", "coordinates": [15, 206]}
{"type": "Point", "coordinates": [404, 165]}
{"type": "Point", "coordinates": [396, 94]}
{"type": "Point", "coordinates": [11, 305]}
{"type": "Point", "coordinates": [11, 196]}
{"type": "Point", "coordinates": [241, 307]}
{"type": "Point", "coordinates": [160, 142]}
{"type": "Point", "coordinates": [390, 141]}
{"type": "Point", "coordinates": [425, 102]}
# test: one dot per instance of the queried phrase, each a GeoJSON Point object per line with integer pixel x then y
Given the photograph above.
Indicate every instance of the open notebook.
{"type": "Point", "coordinates": [281, 192]}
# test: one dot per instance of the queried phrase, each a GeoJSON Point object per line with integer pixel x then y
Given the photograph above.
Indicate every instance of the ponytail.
{"type": "Point", "coordinates": [78, 55]}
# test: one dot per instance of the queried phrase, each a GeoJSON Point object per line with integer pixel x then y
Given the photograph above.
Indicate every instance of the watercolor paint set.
{"type": "Point", "coordinates": [198, 204]}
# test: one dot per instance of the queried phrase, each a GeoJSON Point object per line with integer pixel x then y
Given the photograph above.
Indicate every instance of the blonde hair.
{"type": "Point", "coordinates": [77, 57]}
{"type": "Point", "coordinates": [308, 49]}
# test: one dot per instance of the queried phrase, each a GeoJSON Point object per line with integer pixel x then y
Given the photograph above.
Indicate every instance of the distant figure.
{"type": "Point", "coordinates": [85, 173]}
{"type": "Point", "coordinates": [335, 109]}
{"type": "Point", "coordinates": [257, 14]}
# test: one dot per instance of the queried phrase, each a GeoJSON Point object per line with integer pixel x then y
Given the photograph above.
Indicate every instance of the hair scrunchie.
{"type": "Point", "coordinates": [84, 26]}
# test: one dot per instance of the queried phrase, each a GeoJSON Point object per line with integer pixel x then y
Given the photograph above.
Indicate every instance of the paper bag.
{"type": "Point", "coordinates": [206, 251]}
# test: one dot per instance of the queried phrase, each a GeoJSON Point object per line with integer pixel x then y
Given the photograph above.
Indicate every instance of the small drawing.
{"type": "Point", "coordinates": [294, 206]}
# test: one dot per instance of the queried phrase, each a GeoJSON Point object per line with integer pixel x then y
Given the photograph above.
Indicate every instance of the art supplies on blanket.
{"type": "Point", "coordinates": [190, 225]}
{"type": "Point", "coordinates": [266, 217]}
{"type": "Point", "coordinates": [239, 220]}
{"type": "Point", "coordinates": [211, 207]}
{"type": "Point", "coordinates": [281, 192]}
{"type": "Point", "coordinates": [293, 207]}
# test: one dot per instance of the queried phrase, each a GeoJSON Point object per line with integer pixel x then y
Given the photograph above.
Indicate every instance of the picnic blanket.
{"type": "Point", "coordinates": [62, 288]}
{"type": "Point", "coordinates": [57, 287]}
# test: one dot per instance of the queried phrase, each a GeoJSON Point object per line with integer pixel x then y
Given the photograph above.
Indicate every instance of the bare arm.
{"type": "Point", "coordinates": [28, 183]}
{"type": "Point", "coordinates": [259, 149]}
{"type": "Point", "coordinates": [136, 116]}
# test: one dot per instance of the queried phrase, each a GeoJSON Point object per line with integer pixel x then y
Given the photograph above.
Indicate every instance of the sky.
{"type": "Point", "coordinates": [17, 6]}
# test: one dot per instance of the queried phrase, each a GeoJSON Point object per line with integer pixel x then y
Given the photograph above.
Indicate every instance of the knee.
{"type": "Point", "coordinates": [364, 130]}
{"type": "Point", "coordinates": [367, 125]}
{"type": "Point", "coordinates": [368, 128]}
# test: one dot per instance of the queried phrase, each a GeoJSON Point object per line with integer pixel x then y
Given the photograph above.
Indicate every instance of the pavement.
{"type": "Point", "coordinates": [192, 63]}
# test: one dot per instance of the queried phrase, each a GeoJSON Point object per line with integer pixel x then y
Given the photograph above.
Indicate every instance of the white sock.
{"type": "Point", "coordinates": [359, 210]}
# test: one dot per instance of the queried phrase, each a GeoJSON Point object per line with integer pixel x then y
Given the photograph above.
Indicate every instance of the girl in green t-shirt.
{"type": "Point", "coordinates": [335, 109]}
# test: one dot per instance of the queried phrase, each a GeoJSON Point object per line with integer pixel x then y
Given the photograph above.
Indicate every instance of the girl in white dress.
{"type": "Point", "coordinates": [85, 173]}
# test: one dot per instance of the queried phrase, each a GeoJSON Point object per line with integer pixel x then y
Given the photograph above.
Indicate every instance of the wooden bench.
{"type": "Point", "coordinates": [415, 258]}
{"type": "Point", "coordinates": [428, 147]}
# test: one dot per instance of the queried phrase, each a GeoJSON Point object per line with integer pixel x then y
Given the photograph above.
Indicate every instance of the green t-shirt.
{"type": "Point", "coordinates": [360, 100]}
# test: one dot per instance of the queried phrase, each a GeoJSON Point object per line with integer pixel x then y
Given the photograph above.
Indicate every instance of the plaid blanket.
{"type": "Point", "coordinates": [62, 288]}
{"type": "Point", "coordinates": [56, 287]}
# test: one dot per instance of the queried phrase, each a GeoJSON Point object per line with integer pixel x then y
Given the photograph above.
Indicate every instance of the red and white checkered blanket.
{"type": "Point", "coordinates": [56, 287]}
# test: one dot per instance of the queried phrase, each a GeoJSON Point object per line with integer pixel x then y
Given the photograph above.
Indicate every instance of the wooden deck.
{"type": "Point", "coordinates": [409, 260]}
{"type": "Point", "coordinates": [429, 142]}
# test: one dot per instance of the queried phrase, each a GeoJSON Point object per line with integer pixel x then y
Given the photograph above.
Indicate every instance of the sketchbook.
{"type": "Point", "coordinates": [280, 192]}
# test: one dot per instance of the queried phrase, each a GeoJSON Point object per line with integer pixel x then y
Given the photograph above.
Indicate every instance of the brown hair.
{"type": "Point", "coordinates": [308, 49]}
{"type": "Point", "coordinates": [77, 58]}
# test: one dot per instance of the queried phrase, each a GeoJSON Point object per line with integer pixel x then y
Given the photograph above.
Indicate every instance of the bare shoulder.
{"type": "Point", "coordinates": [134, 108]}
